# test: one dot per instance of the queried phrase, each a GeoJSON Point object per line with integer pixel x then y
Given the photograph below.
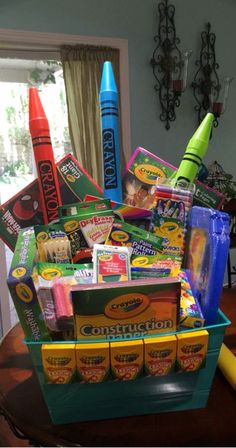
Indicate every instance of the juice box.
{"type": "Point", "coordinates": [191, 350]}
{"type": "Point", "coordinates": [59, 363]}
{"type": "Point", "coordinates": [126, 359]}
{"type": "Point", "coordinates": [93, 362]}
{"type": "Point", "coordinates": [159, 355]}
{"type": "Point", "coordinates": [121, 310]}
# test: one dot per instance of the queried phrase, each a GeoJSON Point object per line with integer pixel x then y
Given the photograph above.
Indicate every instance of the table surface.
{"type": "Point", "coordinates": [22, 402]}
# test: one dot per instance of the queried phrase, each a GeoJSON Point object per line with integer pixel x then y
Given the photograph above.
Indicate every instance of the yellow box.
{"type": "Point", "coordinates": [159, 355]}
{"type": "Point", "coordinates": [191, 350]}
{"type": "Point", "coordinates": [92, 362]}
{"type": "Point", "coordinates": [59, 363]}
{"type": "Point", "coordinates": [126, 359]}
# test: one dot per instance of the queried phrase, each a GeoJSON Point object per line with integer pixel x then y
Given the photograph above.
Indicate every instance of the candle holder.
{"type": "Point", "coordinates": [210, 91]}
{"type": "Point", "coordinates": [169, 65]}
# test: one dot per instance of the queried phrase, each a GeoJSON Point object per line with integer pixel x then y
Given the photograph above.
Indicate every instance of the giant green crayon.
{"type": "Point", "coordinates": [195, 151]}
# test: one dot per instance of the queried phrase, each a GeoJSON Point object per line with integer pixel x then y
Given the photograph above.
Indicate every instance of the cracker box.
{"type": "Point", "coordinates": [92, 362]}
{"type": "Point", "coordinates": [159, 355]}
{"type": "Point", "coordinates": [22, 281]}
{"type": "Point", "coordinates": [126, 359]}
{"type": "Point", "coordinates": [120, 310]}
{"type": "Point", "coordinates": [191, 350]}
{"type": "Point", "coordinates": [24, 209]}
{"type": "Point", "coordinates": [59, 363]}
{"type": "Point", "coordinates": [139, 180]}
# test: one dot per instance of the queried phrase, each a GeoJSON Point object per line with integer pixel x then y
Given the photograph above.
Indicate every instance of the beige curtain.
{"type": "Point", "coordinates": [82, 68]}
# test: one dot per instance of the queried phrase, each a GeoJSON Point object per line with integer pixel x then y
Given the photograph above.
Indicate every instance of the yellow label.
{"type": "Point", "coordinates": [71, 178]}
{"type": "Point", "coordinates": [159, 355]}
{"type": "Point", "coordinates": [148, 174]}
{"type": "Point", "coordinates": [59, 363]}
{"type": "Point", "coordinates": [24, 293]}
{"type": "Point", "coordinates": [69, 226]}
{"type": "Point", "coordinates": [93, 362]}
{"type": "Point", "coordinates": [50, 273]}
{"type": "Point", "coordinates": [18, 272]}
{"type": "Point", "coordinates": [42, 237]}
{"type": "Point", "coordinates": [191, 350]}
{"type": "Point", "coordinates": [120, 236]}
{"type": "Point", "coordinates": [126, 359]}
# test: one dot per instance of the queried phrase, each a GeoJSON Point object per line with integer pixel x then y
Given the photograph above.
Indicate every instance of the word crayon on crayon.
{"type": "Point", "coordinates": [110, 135]}
{"type": "Point", "coordinates": [195, 152]}
{"type": "Point", "coordinates": [44, 159]}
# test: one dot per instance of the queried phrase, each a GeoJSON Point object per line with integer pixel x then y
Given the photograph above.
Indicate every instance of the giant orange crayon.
{"type": "Point", "coordinates": [44, 159]}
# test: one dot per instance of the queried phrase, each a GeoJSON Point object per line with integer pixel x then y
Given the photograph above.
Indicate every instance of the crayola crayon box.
{"type": "Point", "coordinates": [59, 363]}
{"type": "Point", "coordinates": [22, 281]}
{"type": "Point", "coordinates": [120, 310]}
{"type": "Point", "coordinates": [191, 350]}
{"type": "Point", "coordinates": [141, 174]}
{"type": "Point", "coordinates": [92, 362]}
{"type": "Point", "coordinates": [24, 209]}
{"type": "Point", "coordinates": [159, 355]}
{"type": "Point", "coordinates": [126, 359]}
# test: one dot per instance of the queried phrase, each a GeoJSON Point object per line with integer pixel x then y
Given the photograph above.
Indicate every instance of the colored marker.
{"type": "Point", "coordinates": [194, 153]}
{"type": "Point", "coordinates": [110, 135]}
{"type": "Point", "coordinates": [44, 159]}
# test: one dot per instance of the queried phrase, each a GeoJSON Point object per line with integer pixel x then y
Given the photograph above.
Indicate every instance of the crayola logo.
{"type": "Point", "coordinates": [149, 174]}
{"type": "Point", "coordinates": [126, 357]}
{"type": "Point", "coordinates": [119, 236]}
{"type": "Point", "coordinates": [126, 306]}
{"type": "Point", "coordinates": [192, 348]}
{"type": "Point", "coordinates": [50, 273]}
{"type": "Point", "coordinates": [71, 225]}
{"type": "Point", "coordinates": [53, 361]}
{"type": "Point", "coordinates": [159, 353]}
{"type": "Point", "coordinates": [24, 293]}
{"type": "Point", "coordinates": [70, 178]}
{"type": "Point", "coordinates": [18, 272]}
{"type": "Point", "coordinates": [92, 360]}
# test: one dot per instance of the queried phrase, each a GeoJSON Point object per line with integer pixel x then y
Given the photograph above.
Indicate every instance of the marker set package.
{"type": "Point", "coordinates": [86, 224]}
{"type": "Point", "coordinates": [145, 168]}
{"type": "Point", "coordinates": [52, 243]}
{"type": "Point", "coordinates": [170, 217]}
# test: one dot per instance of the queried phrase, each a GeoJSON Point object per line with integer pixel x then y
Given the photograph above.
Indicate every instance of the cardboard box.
{"type": "Point", "coordinates": [21, 283]}
{"type": "Point", "coordinates": [121, 310]}
{"type": "Point", "coordinates": [139, 182]}
{"type": "Point", "coordinates": [24, 209]}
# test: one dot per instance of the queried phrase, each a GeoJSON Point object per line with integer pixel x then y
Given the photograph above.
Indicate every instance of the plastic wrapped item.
{"type": "Point", "coordinates": [206, 257]}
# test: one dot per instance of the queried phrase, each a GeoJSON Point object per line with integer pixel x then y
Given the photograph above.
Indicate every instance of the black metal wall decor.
{"type": "Point", "coordinates": [210, 92]}
{"type": "Point", "coordinates": [169, 64]}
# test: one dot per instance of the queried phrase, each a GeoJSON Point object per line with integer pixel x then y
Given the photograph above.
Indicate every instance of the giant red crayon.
{"type": "Point", "coordinates": [44, 159]}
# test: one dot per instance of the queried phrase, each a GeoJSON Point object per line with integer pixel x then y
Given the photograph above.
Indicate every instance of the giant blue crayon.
{"type": "Point", "coordinates": [110, 134]}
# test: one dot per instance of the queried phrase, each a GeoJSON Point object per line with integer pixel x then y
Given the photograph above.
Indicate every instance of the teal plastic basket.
{"type": "Point", "coordinates": [75, 402]}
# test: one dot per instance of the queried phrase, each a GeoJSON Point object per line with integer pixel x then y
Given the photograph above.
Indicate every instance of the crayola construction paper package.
{"type": "Point", "coordinates": [119, 310]}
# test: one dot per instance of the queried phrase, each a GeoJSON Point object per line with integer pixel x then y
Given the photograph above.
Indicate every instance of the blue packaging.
{"type": "Point", "coordinates": [206, 257]}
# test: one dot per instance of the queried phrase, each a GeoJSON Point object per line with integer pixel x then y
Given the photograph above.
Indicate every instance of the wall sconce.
{"type": "Point", "coordinates": [169, 64]}
{"type": "Point", "coordinates": [209, 90]}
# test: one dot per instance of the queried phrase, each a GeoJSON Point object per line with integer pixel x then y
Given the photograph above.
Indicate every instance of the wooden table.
{"type": "Point", "coordinates": [22, 404]}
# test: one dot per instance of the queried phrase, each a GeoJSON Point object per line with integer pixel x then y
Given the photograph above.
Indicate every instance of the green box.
{"type": "Point", "coordinates": [22, 281]}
